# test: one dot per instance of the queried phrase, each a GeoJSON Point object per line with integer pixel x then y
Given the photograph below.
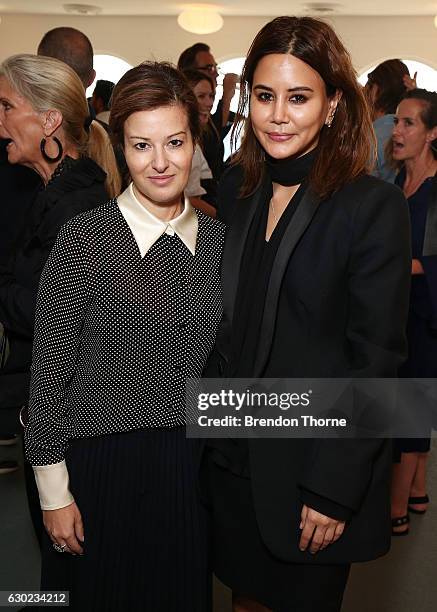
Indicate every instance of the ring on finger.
{"type": "Point", "coordinates": [60, 548]}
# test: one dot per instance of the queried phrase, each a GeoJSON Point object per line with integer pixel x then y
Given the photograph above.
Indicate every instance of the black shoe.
{"type": "Point", "coordinates": [423, 499]}
{"type": "Point", "coordinates": [8, 440]}
{"type": "Point", "coordinates": [400, 522]}
{"type": "Point", "coordinates": [6, 467]}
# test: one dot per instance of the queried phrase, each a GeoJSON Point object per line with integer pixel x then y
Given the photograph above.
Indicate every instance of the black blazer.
{"type": "Point", "coordinates": [347, 263]}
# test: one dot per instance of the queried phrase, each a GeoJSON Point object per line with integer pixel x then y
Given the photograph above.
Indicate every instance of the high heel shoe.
{"type": "Point", "coordinates": [423, 499]}
{"type": "Point", "coordinates": [400, 522]}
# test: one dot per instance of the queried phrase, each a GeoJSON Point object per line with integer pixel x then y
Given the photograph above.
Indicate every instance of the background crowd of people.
{"type": "Point", "coordinates": [121, 304]}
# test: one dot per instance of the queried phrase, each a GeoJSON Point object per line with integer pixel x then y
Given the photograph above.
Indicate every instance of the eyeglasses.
{"type": "Point", "coordinates": [213, 68]}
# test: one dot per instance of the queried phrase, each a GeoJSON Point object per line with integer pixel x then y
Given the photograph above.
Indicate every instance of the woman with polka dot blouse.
{"type": "Point", "coordinates": [128, 308]}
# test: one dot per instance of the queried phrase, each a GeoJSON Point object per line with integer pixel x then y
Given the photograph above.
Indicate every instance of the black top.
{"type": "Point", "coordinates": [19, 188]}
{"type": "Point", "coordinates": [117, 334]}
{"type": "Point", "coordinates": [77, 186]}
{"type": "Point", "coordinates": [423, 298]}
{"type": "Point", "coordinates": [256, 266]}
{"type": "Point", "coordinates": [213, 150]}
{"type": "Point", "coordinates": [255, 271]}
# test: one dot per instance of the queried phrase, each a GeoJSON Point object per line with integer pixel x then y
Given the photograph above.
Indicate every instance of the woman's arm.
{"type": "Point", "coordinates": [62, 302]}
{"type": "Point", "coordinates": [61, 306]}
{"type": "Point", "coordinates": [61, 516]}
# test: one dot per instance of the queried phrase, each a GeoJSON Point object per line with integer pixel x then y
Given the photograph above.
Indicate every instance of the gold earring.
{"type": "Point", "coordinates": [331, 118]}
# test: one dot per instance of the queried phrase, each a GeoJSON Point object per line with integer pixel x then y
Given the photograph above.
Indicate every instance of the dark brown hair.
{"type": "Point", "coordinates": [149, 86]}
{"type": "Point", "coordinates": [197, 76]}
{"type": "Point", "coordinates": [344, 149]}
{"type": "Point", "coordinates": [388, 78]}
{"type": "Point", "coordinates": [187, 58]}
{"type": "Point", "coordinates": [428, 114]}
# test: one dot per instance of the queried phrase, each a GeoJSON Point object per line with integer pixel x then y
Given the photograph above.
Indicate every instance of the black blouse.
{"type": "Point", "coordinates": [256, 267]}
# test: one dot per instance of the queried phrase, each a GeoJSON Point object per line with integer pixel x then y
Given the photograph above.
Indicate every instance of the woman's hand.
{"type": "Point", "coordinates": [410, 82]}
{"type": "Point", "coordinates": [318, 530]}
{"type": "Point", "coordinates": [230, 81]}
{"type": "Point", "coordinates": [416, 267]}
{"type": "Point", "coordinates": [65, 528]}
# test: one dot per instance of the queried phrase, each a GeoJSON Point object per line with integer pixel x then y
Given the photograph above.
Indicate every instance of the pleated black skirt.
{"type": "Point", "coordinates": [243, 562]}
{"type": "Point", "coordinates": [146, 545]}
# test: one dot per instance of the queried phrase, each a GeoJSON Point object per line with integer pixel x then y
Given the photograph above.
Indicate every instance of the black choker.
{"type": "Point", "coordinates": [290, 171]}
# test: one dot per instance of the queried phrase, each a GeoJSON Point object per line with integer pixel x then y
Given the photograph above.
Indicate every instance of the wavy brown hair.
{"type": "Point", "coordinates": [346, 149]}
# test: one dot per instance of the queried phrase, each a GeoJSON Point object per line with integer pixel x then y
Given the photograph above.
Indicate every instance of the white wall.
{"type": "Point", "coordinates": [369, 39]}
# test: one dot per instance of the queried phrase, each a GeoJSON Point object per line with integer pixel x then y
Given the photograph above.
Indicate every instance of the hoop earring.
{"type": "Point", "coordinates": [51, 160]}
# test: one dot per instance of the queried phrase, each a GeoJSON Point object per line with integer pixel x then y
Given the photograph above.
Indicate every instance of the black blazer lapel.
{"type": "Point", "coordinates": [297, 227]}
{"type": "Point", "coordinates": [235, 240]}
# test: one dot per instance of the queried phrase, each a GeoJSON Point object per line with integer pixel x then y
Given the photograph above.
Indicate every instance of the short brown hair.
{"type": "Point", "coordinates": [345, 148]}
{"type": "Point", "coordinates": [149, 86]}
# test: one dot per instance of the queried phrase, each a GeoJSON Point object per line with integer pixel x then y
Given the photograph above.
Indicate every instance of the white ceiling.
{"type": "Point", "coordinates": [228, 7]}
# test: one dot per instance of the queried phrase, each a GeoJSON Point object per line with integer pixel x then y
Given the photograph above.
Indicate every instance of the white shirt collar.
{"type": "Point", "coordinates": [146, 228]}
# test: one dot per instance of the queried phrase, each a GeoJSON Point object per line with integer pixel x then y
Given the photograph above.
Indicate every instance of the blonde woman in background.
{"type": "Point", "coordinates": [44, 119]}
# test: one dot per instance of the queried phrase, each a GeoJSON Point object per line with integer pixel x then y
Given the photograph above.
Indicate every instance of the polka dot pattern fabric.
{"type": "Point", "coordinates": [116, 335]}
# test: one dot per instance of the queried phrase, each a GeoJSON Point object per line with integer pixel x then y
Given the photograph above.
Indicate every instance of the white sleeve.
{"type": "Point", "coordinates": [53, 485]}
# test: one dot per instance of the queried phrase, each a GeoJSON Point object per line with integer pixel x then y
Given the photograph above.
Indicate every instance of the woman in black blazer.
{"type": "Point", "coordinates": [315, 282]}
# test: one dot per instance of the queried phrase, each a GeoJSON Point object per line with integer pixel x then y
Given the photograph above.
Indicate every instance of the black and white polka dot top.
{"type": "Point", "coordinates": [116, 335]}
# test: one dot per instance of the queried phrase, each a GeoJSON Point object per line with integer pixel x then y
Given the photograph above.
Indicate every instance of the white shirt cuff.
{"type": "Point", "coordinates": [53, 485]}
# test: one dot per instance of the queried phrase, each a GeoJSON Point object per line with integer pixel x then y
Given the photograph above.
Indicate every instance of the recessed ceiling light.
{"type": "Point", "coordinates": [82, 9]}
{"type": "Point", "coordinates": [321, 8]}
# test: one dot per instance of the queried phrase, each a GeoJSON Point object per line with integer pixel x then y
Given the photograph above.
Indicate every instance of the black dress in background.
{"type": "Point", "coordinates": [422, 316]}
{"type": "Point", "coordinates": [19, 188]}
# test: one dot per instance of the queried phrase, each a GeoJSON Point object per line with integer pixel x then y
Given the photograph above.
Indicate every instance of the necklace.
{"type": "Point", "coordinates": [273, 211]}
